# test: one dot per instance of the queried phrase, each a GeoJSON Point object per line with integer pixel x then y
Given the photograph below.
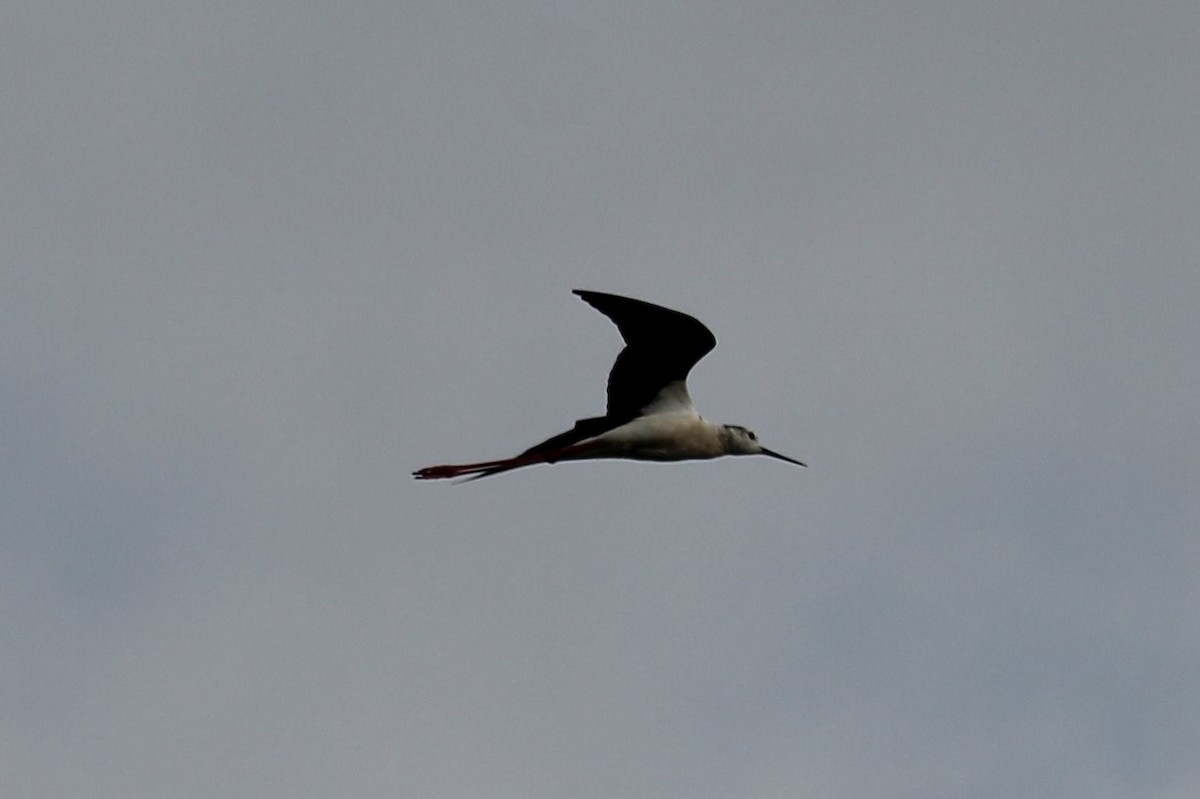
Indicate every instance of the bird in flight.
{"type": "Point", "coordinates": [650, 415]}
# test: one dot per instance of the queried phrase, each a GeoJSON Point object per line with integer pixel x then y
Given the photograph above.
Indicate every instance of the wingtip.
{"type": "Point", "coordinates": [591, 297]}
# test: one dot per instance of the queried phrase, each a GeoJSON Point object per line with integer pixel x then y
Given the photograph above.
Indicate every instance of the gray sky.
{"type": "Point", "coordinates": [263, 260]}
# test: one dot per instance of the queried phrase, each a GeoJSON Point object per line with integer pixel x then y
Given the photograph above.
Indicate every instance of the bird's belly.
{"type": "Point", "coordinates": [664, 438]}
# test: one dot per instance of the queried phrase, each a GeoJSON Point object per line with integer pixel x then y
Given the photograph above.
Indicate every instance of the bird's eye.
{"type": "Point", "coordinates": [752, 436]}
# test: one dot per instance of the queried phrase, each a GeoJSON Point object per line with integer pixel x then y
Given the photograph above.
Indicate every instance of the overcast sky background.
{"type": "Point", "coordinates": [260, 261]}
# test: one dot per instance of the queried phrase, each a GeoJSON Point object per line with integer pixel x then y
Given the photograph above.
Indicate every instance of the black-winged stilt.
{"type": "Point", "coordinates": [650, 415]}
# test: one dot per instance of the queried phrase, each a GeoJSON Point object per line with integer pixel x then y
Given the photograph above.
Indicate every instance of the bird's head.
{"type": "Point", "coordinates": [740, 441]}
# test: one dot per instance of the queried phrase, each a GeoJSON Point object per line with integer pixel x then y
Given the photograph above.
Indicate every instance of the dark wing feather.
{"type": "Point", "coordinates": [584, 428]}
{"type": "Point", "coordinates": [661, 347]}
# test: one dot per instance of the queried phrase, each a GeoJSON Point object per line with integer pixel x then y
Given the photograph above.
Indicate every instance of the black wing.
{"type": "Point", "coordinates": [661, 347]}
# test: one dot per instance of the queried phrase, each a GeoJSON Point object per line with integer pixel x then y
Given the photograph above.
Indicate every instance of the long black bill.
{"type": "Point", "coordinates": [765, 451]}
